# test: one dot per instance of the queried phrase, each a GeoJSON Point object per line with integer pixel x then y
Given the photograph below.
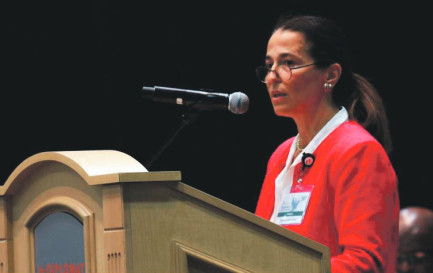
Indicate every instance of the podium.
{"type": "Point", "coordinates": [133, 220]}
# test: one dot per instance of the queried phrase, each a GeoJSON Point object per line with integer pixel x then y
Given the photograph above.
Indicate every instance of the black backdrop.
{"type": "Point", "coordinates": [74, 70]}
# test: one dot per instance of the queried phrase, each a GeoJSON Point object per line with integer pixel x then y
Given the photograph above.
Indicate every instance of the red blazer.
{"type": "Point", "coordinates": [354, 206]}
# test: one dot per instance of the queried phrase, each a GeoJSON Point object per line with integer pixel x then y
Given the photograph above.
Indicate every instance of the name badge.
{"type": "Point", "coordinates": [294, 205]}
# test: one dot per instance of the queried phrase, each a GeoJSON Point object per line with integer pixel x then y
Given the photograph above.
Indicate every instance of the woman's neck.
{"type": "Point", "coordinates": [309, 125]}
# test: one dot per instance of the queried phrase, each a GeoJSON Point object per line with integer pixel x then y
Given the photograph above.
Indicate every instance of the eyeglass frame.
{"type": "Point", "coordinates": [276, 72]}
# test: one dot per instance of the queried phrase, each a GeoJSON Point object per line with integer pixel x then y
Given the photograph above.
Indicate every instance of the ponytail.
{"type": "Point", "coordinates": [367, 109]}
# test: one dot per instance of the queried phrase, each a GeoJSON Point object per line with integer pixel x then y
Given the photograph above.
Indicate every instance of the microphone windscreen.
{"type": "Point", "coordinates": [238, 103]}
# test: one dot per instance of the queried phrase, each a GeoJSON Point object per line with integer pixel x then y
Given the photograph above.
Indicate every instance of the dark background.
{"type": "Point", "coordinates": [74, 70]}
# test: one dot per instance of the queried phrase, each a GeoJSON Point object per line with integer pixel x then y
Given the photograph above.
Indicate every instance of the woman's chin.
{"type": "Point", "coordinates": [281, 110]}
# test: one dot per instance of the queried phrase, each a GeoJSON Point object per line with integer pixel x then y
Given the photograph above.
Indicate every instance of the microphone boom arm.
{"type": "Point", "coordinates": [187, 118]}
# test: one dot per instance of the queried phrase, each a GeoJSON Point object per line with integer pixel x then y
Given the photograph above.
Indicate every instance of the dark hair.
{"type": "Point", "coordinates": [327, 45]}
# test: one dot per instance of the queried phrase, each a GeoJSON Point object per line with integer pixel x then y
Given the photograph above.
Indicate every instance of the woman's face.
{"type": "Point", "coordinates": [303, 91]}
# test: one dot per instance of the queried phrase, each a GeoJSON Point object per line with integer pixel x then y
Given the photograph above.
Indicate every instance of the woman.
{"type": "Point", "coordinates": [333, 182]}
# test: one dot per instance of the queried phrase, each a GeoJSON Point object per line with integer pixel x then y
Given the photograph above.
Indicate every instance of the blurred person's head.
{"type": "Point", "coordinates": [416, 240]}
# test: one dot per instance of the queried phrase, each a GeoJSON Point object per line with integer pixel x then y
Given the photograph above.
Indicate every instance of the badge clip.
{"type": "Point", "coordinates": [307, 160]}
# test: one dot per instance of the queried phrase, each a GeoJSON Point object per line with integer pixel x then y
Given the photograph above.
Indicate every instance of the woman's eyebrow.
{"type": "Point", "coordinates": [281, 56]}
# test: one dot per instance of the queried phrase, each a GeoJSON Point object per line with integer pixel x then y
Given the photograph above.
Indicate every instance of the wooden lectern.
{"type": "Point", "coordinates": [139, 221]}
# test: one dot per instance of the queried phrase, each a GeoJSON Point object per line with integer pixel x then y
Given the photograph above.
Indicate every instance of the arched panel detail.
{"type": "Point", "coordinates": [79, 210]}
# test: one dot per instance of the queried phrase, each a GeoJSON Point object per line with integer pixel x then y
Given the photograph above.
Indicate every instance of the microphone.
{"type": "Point", "coordinates": [236, 102]}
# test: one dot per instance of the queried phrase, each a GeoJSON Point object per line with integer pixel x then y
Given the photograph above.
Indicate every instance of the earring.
{"type": "Point", "coordinates": [327, 87]}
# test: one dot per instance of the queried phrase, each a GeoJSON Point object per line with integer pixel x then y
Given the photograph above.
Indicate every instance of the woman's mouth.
{"type": "Point", "coordinates": [278, 94]}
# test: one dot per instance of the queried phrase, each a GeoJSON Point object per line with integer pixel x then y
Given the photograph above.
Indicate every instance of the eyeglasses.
{"type": "Point", "coordinates": [283, 70]}
{"type": "Point", "coordinates": [415, 258]}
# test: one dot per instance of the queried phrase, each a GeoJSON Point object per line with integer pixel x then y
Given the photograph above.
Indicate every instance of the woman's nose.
{"type": "Point", "coordinates": [272, 76]}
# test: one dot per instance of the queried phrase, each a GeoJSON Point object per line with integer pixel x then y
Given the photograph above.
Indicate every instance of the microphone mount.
{"type": "Point", "coordinates": [188, 118]}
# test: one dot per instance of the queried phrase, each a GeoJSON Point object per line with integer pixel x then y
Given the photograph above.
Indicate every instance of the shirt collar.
{"type": "Point", "coordinates": [339, 118]}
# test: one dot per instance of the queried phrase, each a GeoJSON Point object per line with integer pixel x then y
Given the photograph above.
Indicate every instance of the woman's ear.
{"type": "Point", "coordinates": [333, 73]}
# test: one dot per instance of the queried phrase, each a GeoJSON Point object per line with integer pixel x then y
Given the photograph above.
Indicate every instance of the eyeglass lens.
{"type": "Point", "coordinates": [282, 71]}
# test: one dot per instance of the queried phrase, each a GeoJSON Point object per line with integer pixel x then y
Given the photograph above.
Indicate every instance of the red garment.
{"type": "Point", "coordinates": [354, 206]}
